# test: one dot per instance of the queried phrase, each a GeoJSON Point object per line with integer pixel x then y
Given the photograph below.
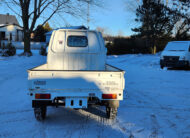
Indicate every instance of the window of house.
{"type": "Point", "coordinates": [11, 37]}
{"type": "Point", "coordinates": [2, 35]}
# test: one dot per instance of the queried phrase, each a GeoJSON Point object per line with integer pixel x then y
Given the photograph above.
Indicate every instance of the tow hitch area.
{"type": "Point", "coordinates": [75, 102]}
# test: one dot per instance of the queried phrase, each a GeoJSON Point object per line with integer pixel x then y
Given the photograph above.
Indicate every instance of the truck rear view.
{"type": "Point", "coordinates": [76, 74]}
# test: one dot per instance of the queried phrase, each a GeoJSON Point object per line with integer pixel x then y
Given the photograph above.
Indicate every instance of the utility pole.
{"type": "Point", "coordinates": [88, 14]}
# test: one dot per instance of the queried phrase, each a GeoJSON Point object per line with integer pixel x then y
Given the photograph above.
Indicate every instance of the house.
{"type": "Point", "coordinates": [48, 34]}
{"type": "Point", "coordinates": [10, 29]}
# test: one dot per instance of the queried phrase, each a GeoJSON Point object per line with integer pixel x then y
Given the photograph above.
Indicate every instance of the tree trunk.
{"type": "Point", "coordinates": [27, 42]}
{"type": "Point", "coordinates": [154, 45]}
{"type": "Point", "coordinates": [27, 51]}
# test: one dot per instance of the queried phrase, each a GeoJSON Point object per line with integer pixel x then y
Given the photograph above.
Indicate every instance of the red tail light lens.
{"type": "Point", "coordinates": [42, 96]}
{"type": "Point", "coordinates": [109, 96]}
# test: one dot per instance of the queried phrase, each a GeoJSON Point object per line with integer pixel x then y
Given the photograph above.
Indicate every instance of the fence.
{"type": "Point", "coordinates": [20, 45]}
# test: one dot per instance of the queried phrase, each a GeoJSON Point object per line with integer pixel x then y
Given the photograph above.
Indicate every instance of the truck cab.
{"type": "Point", "coordinates": [176, 54]}
{"type": "Point", "coordinates": [76, 49]}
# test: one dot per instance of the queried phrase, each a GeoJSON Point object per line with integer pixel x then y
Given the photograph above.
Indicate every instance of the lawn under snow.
{"type": "Point", "coordinates": [156, 103]}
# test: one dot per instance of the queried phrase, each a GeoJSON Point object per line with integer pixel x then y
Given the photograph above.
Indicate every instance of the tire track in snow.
{"type": "Point", "coordinates": [100, 127]}
{"type": "Point", "coordinates": [102, 123]}
{"type": "Point", "coordinates": [84, 126]}
{"type": "Point", "coordinates": [16, 134]}
{"type": "Point", "coordinates": [123, 129]}
{"type": "Point", "coordinates": [157, 107]}
{"type": "Point", "coordinates": [15, 112]}
{"type": "Point", "coordinates": [95, 113]}
{"type": "Point", "coordinates": [175, 129]}
{"type": "Point", "coordinates": [154, 127]}
{"type": "Point", "coordinates": [16, 120]}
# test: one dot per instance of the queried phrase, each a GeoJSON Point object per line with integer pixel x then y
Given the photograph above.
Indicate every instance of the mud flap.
{"type": "Point", "coordinates": [113, 103]}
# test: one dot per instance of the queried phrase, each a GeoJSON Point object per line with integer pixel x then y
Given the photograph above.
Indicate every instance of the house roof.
{"type": "Point", "coordinates": [71, 27]}
{"type": "Point", "coordinates": [5, 25]}
{"type": "Point", "coordinates": [8, 19]}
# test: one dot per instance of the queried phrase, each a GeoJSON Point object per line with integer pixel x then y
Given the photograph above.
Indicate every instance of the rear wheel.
{"type": "Point", "coordinates": [111, 112]}
{"type": "Point", "coordinates": [188, 65]}
{"type": "Point", "coordinates": [40, 113]}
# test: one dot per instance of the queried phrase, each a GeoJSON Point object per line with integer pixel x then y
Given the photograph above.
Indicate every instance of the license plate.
{"type": "Point", "coordinates": [76, 102]}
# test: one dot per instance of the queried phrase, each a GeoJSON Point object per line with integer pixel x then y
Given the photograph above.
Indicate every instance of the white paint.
{"type": "Point", "coordinates": [62, 83]}
{"type": "Point", "coordinates": [63, 57]}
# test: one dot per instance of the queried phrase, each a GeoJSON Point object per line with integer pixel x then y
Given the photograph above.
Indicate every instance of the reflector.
{"type": "Point", "coordinates": [109, 96]}
{"type": "Point", "coordinates": [42, 96]}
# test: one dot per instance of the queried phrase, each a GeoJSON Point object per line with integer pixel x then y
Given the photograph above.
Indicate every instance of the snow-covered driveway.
{"type": "Point", "coordinates": [157, 103]}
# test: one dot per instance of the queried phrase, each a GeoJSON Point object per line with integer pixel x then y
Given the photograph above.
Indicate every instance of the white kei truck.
{"type": "Point", "coordinates": [76, 74]}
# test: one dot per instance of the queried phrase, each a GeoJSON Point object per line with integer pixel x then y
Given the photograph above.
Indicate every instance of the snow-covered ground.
{"type": "Point", "coordinates": [156, 104]}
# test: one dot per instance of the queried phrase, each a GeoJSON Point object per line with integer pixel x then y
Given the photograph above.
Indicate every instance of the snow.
{"type": "Point", "coordinates": [177, 46]}
{"type": "Point", "coordinates": [156, 103]}
{"type": "Point", "coordinates": [20, 45]}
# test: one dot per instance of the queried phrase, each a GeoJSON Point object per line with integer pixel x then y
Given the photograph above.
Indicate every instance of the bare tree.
{"type": "Point", "coordinates": [104, 30]}
{"type": "Point", "coordinates": [32, 10]}
{"type": "Point", "coordinates": [120, 33]}
{"type": "Point", "coordinates": [132, 5]}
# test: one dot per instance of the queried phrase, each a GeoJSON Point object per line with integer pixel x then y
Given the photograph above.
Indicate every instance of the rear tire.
{"type": "Point", "coordinates": [40, 113]}
{"type": "Point", "coordinates": [111, 112]}
{"type": "Point", "coordinates": [188, 65]}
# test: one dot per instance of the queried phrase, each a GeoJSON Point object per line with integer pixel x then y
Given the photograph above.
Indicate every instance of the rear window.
{"type": "Point", "coordinates": [77, 41]}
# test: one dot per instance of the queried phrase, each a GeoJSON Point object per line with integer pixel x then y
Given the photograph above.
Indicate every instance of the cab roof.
{"type": "Point", "coordinates": [68, 28]}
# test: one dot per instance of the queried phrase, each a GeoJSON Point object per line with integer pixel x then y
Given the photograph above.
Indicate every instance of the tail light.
{"type": "Point", "coordinates": [42, 96]}
{"type": "Point", "coordinates": [109, 96]}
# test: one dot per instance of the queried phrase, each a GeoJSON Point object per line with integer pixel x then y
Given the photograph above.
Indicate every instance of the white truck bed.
{"type": "Point", "coordinates": [63, 83]}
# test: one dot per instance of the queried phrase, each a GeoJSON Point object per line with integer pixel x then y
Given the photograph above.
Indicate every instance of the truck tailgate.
{"type": "Point", "coordinates": [77, 83]}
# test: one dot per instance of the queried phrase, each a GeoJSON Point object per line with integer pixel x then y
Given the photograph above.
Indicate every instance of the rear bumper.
{"type": "Point", "coordinates": [180, 63]}
{"type": "Point", "coordinates": [66, 102]}
{"type": "Point", "coordinates": [77, 103]}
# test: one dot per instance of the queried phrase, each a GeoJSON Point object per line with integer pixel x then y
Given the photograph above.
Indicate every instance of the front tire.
{"type": "Point", "coordinates": [40, 113]}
